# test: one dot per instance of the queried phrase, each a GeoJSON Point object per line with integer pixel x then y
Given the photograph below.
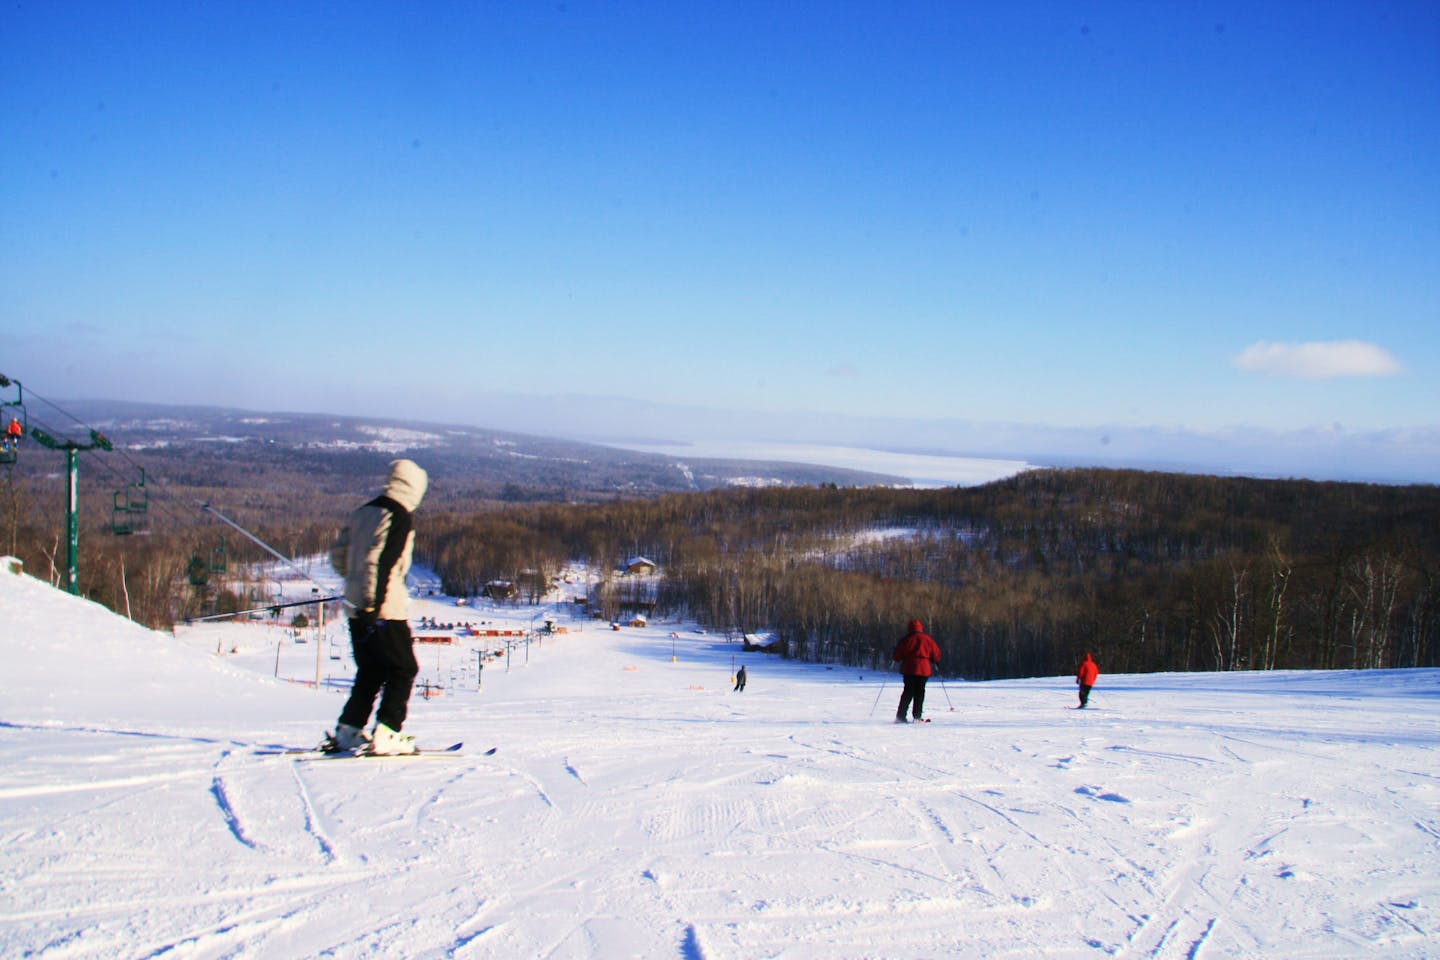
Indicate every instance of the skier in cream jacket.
{"type": "Point", "coordinates": [373, 555]}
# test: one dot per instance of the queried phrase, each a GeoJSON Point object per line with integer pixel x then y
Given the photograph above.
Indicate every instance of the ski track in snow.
{"type": "Point", "coordinates": [951, 840]}
{"type": "Point", "coordinates": [640, 808]}
{"type": "Point", "coordinates": [227, 812]}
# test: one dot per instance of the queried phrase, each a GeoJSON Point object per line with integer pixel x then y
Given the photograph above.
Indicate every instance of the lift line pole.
{"type": "Point", "coordinates": [72, 522]}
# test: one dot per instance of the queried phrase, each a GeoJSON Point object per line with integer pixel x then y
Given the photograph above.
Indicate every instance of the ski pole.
{"type": "Point", "coordinates": [878, 695]}
{"type": "Point", "coordinates": [947, 693]}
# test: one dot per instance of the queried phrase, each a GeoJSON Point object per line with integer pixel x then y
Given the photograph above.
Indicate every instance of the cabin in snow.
{"type": "Point", "coordinates": [500, 590]}
{"type": "Point", "coordinates": [762, 643]}
{"type": "Point", "coordinates": [639, 566]}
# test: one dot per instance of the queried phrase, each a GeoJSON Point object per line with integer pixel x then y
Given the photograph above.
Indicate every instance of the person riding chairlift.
{"type": "Point", "coordinates": [13, 433]}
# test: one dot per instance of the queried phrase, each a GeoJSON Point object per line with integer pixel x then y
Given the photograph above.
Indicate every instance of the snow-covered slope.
{"type": "Point", "coordinates": [639, 807]}
{"type": "Point", "coordinates": [69, 661]}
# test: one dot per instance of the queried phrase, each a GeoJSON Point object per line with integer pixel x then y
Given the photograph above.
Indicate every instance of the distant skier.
{"type": "Point", "coordinates": [915, 652]}
{"type": "Point", "coordinates": [13, 433]}
{"type": "Point", "coordinates": [1085, 679]}
{"type": "Point", "coordinates": [373, 554]}
{"type": "Point", "coordinates": [740, 679]}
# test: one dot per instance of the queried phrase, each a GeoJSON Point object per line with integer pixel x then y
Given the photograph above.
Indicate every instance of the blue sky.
{"type": "Point", "coordinates": [1177, 219]}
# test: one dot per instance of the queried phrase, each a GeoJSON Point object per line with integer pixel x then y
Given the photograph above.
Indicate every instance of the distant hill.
{"type": "Point", "coordinates": [191, 446]}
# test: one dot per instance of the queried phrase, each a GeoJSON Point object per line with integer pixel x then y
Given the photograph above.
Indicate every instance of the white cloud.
{"type": "Point", "coordinates": [1318, 361]}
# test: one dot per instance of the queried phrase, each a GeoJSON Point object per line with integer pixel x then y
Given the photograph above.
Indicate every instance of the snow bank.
{"type": "Point", "coordinates": [71, 661]}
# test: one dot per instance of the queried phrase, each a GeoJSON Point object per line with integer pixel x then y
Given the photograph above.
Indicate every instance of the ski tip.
{"type": "Point", "coordinates": [490, 752]}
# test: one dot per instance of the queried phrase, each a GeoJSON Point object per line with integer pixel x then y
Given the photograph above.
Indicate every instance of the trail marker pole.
{"type": "Point", "coordinates": [319, 631]}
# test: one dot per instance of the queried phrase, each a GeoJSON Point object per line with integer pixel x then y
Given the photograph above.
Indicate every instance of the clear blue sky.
{"type": "Point", "coordinates": [1151, 214]}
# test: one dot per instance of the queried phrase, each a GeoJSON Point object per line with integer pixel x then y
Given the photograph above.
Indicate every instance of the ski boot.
{"type": "Point", "coordinates": [391, 743]}
{"type": "Point", "coordinates": [345, 739]}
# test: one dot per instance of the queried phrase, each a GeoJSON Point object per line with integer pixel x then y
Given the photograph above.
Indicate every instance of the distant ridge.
{"type": "Point", "coordinates": [505, 464]}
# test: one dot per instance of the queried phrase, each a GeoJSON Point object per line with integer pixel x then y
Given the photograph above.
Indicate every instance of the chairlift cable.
{"type": "Point", "coordinates": [59, 409]}
{"type": "Point", "coordinates": [276, 607]}
{"type": "Point", "coordinates": [105, 465]}
{"type": "Point", "coordinates": [161, 500]}
{"type": "Point", "coordinates": [205, 507]}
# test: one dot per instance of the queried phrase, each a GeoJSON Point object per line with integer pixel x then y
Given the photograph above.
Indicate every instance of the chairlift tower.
{"type": "Point", "coordinates": [72, 521]}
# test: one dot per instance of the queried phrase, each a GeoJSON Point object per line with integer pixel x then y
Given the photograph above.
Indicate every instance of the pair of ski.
{"type": "Point", "coordinates": [455, 750]}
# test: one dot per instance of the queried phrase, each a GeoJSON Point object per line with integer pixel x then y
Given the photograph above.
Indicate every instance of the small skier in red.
{"type": "Point", "coordinates": [1085, 679]}
{"type": "Point", "coordinates": [915, 652]}
{"type": "Point", "coordinates": [13, 433]}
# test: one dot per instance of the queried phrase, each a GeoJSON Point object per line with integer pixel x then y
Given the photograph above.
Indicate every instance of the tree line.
{"type": "Point", "coordinates": [1148, 571]}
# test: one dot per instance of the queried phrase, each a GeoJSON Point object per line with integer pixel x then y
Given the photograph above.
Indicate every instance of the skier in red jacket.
{"type": "Point", "coordinates": [1085, 678]}
{"type": "Point", "coordinates": [915, 652]}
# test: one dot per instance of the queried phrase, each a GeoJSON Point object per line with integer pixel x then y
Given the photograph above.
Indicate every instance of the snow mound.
{"type": "Point", "coordinates": [71, 661]}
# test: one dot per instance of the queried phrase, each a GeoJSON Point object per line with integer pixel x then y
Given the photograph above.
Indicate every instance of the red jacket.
{"type": "Point", "coordinates": [916, 651]}
{"type": "Point", "coordinates": [1088, 672]}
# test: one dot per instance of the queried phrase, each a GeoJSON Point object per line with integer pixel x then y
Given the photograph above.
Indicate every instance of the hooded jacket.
{"type": "Point", "coordinates": [916, 651]}
{"type": "Point", "coordinates": [373, 553]}
{"type": "Point", "coordinates": [1088, 672]}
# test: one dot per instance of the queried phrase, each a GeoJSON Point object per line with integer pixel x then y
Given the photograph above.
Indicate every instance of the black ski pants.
{"type": "Point", "coordinates": [913, 693]}
{"type": "Point", "coordinates": [385, 665]}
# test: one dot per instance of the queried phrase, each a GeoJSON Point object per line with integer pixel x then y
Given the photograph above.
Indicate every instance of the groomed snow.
{"type": "Point", "coordinates": [637, 807]}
